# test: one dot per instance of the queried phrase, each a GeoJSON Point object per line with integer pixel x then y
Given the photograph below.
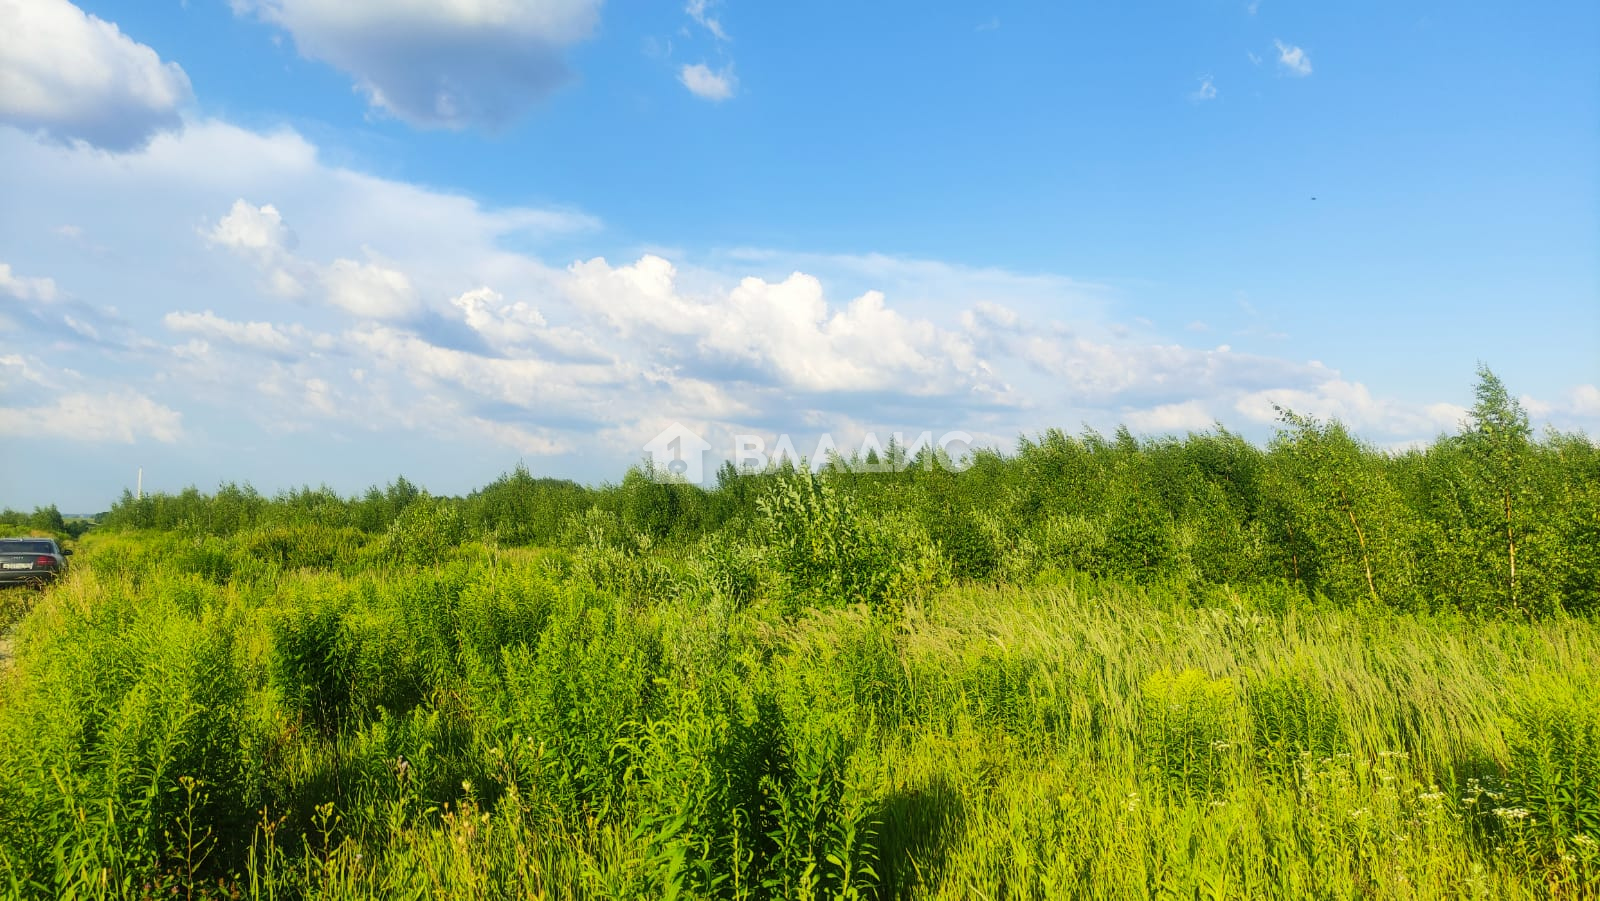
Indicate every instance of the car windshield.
{"type": "Point", "coordinates": [26, 546]}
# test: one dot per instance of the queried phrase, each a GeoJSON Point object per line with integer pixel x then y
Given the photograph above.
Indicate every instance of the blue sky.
{"type": "Point", "coordinates": [333, 241]}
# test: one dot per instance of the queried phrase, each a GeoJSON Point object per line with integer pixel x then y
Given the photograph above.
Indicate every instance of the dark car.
{"type": "Point", "coordinates": [31, 561]}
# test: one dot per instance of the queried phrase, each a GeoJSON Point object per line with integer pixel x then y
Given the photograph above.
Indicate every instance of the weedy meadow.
{"type": "Point", "coordinates": [1097, 667]}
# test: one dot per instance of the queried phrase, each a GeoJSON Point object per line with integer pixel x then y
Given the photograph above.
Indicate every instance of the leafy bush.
{"type": "Point", "coordinates": [1293, 717]}
{"type": "Point", "coordinates": [825, 552]}
{"type": "Point", "coordinates": [310, 546]}
{"type": "Point", "coordinates": [824, 836]}
{"type": "Point", "coordinates": [426, 533]}
{"type": "Point", "coordinates": [505, 608]}
{"type": "Point", "coordinates": [310, 664]}
{"type": "Point", "coordinates": [697, 777]}
{"type": "Point", "coordinates": [574, 702]}
{"type": "Point", "coordinates": [126, 746]}
{"type": "Point", "coordinates": [1554, 775]}
{"type": "Point", "coordinates": [971, 543]}
{"type": "Point", "coordinates": [1188, 731]}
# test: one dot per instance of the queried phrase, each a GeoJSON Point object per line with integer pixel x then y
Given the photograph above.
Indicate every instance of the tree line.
{"type": "Point", "coordinates": [1493, 519]}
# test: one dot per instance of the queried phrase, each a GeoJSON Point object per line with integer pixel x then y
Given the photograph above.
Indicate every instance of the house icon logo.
{"type": "Point", "coordinates": [678, 453]}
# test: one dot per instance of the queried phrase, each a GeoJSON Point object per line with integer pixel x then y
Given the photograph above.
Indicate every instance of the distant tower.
{"type": "Point", "coordinates": [139, 494]}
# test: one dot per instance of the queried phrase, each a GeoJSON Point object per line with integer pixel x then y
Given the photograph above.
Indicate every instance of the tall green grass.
{"type": "Point", "coordinates": [439, 718]}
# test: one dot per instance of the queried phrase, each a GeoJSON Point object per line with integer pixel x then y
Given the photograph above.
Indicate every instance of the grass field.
{"type": "Point", "coordinates": [595, 724]}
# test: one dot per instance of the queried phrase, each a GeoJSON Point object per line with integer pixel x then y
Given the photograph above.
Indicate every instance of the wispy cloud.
{"type": "Point", "coordinates": [993, 24]}
{"type": "Point", "coordinates": [1206, 91]}
{"type": "Point", "coordinates": [1293, 59]}
{"type": "Point", "coordinates": [700, 11]}
{"type": "Point", "coordinates": [67, 406]}
{"type": "Point", "coordinates": [702, 82]}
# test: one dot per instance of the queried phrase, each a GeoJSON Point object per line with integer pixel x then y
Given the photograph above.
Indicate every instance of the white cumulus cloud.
{"type": "Point", "coordinates": [42, 290]}
{"type": "Point", "coordinates": [119, 416]}
{"type": "Point", "coordinates": [76, 77]}
{"type": "Point", "coordinates": [260, 234]}
{"type": "Point", "coordinates": [370, 290]}
{"type": "Point", "coordinates": [252, 229]}
{"type": "Point", "coordinates": [783, 333]}
{"type": "Point", "coordinates": [1189, 416]}
{"type": "Point", "coordinates": [711, 85]}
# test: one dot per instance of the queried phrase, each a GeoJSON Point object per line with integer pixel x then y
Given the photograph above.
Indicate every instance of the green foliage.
{"type": "Point", "coordinates": [521, 510]}
{"type": "Point", "coordinates": [1294, 722]}
{"type": "Point", "coordinates": [1188, 731]}
{"type": "Point", "coordinates": [42, 521]}
{"type": "Point", "coordinates": [425, 533]}
{"type": "Point", "coordinates": [1554, 773]}
{"type": "Point", "coordinates": [130, 719]}
{"type": "Point", "coordinates": [1336, 516]}
{"type": "Point", "coordinates": [699, 777]}
{"type": "Point", "coordinates": [498, 724]}
{"type": "Point", "coordinates": [731, 571]}
{"type": "Point", "coordinates": [823, 836]}
{"type": "Point", "coordinates": [1493, 520]}
{"type": "Point", "coordinates": [574, 703]}
{"type": "Point", "coordinates": [310, 662]}
{"type": "Point", "coordinates": [965, 539]}
{"type": "Point", "coordinates": [289, 547]}
{"type": "Point", "coordinates": [827, 552]}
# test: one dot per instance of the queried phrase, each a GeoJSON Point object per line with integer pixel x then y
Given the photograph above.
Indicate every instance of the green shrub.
{"type": "Point", "coordinates": [825, 552]}
{"type": "Point", "coordinates": [1188, 731]}
{"type": "Point", "coordinates": [426, 533]}
{"type": "Point", "coordinates": [731, 570]}
{"type": "Point", "coordinates": [967, 540]}
{"type": "Point", "coordinates": [573, 702]}
{"type": "Point", "coordinates": [124, 748]}
{"type": "Point", "coordinates": [1553, 735]}
{"type": "Point", "coordinates": [309, 664]}
{"type": "Point", "coordinates": [624, 575]}
{"type": "Point", "coordinates": [503, 608]}
{"type": "Point", "coordinates": [341, 652]}
{"type": "Point", "coordinates": [307, 545]}
{"type": "Point", "coordinates": [381, 662]}
{"type": "Point", "coordinates": [823, 831]}
{"type": "Point", "coordinates": [697, 779]}
{"type": "Point", "coordinates": [1292, 716]}
{"type": "Point", "coordinates": [1073, 543]}
{"type": "Point", "coordinates": [209, 557]}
